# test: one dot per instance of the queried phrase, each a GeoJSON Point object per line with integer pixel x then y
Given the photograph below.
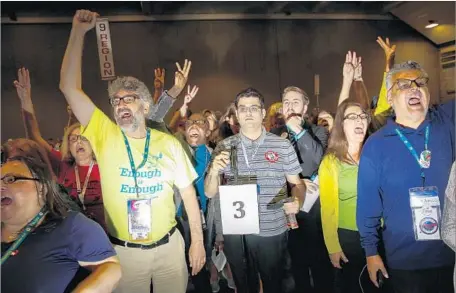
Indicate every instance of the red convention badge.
{"type": "Point", "coordinates": [271, 156]}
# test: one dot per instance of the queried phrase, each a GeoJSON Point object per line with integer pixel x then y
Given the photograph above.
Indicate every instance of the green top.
{"type": "Point", "coordinates": [348, 184]}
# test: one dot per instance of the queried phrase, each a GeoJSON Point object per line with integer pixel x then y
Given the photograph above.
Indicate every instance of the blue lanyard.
{"type": "Point", "coordinates": [28, 229]}
{"type": "Point", "coordinates": [412, 149]}
{"type": "Point", "coordinates": [130, 157]}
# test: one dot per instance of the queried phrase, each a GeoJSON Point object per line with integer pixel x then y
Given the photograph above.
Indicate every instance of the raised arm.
{"type": "Point", "coordinates": [390, 54]}
{"type": "Point", "coordinates": [71, 118]}
{"type": "Point", "coordinates": [24, 92]}
{"type": "Point", "coordinates": [167, 98]}
{"type": "Point", "coordinates": [183, 111]}
{"type": "Point", "coordinates": [359, 88]}
{"type": "Point", "coordinates": [159, 83]}
{"type": "Point", "coordinates": [70, 74]}
{"type": "Point", "coordinates": [348, 75]}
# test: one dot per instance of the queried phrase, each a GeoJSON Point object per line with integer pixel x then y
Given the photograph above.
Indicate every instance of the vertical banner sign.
{"type": "Point", "coordinates": [317, 84]}
{"type": "Point", "coordinates": [105, 49]}
{"type": "Point", "coordinates": [317, 89]}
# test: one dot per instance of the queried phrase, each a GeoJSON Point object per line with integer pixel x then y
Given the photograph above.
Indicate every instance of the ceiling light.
{"type": "Point", "coordinates": [432, 24]}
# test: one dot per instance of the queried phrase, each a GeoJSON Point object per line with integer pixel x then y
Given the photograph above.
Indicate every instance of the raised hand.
{"type": "Point", "coordinates": [181, 76]}
{"type": "Point", "coordinates": [188, 98]}
{"type": "Point", "coordinates": [348, 70]}
{"type": "Point", "coordinates": [190, 94]}
{"type": "Point", "coordinates": [358, 67]}
{"type": "Point", "coordinates": [390, 52]}
{"type": "Point", "coordinates": [159, 77]}
{"type": "Point", "coordinates": [84, 20]}
{"type": "Point", "coordinates": [23, 86]}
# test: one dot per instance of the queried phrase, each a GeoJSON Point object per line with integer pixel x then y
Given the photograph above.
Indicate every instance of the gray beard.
{"type": "Point", "coordinates": [131, 127]}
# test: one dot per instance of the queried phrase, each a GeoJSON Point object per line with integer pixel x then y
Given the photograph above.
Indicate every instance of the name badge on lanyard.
{"type": "Point", "coordinates": [81, 192]}
{"type": "Point", "coordinates": [426, 214]}
{"type": "Point", "coordinates": [139, 218]}
{"type": "Point", "coordinates": [140, 209]}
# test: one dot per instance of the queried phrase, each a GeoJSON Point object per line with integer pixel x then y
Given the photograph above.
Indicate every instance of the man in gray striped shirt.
{"type": "Point", "coordinates": [270, 161]}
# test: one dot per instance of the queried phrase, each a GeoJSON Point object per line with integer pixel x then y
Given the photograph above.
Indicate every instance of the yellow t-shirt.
{"type": "Point", "coordinates": [167, 165]}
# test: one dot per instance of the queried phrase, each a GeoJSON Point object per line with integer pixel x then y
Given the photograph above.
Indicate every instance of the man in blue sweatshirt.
{"type": "Point", "coordinates": [196, 133]}
{"type": "Point", "coordinates": [401, 187]}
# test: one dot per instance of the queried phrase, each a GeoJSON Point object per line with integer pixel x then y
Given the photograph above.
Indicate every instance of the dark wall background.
{"type": "Point", "coordinates": [227, 57]}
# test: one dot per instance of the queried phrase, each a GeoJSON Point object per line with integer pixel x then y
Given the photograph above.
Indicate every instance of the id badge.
{"type": "Point", "coordinates": [425, 205]}
{"type": "Point", "coordinates": [139, 218]}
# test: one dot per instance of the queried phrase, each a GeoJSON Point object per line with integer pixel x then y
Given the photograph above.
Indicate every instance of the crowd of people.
{"type": "Point", "coordinates": [360, 200]}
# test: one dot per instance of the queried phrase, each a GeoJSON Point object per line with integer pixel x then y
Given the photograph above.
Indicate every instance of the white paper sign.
{"type": "Point", "coordinates": [311, 196]}
{"type": "Point", "coordinates": [239, 209]}
{"type": "Point", "coordinates": [105, 49]}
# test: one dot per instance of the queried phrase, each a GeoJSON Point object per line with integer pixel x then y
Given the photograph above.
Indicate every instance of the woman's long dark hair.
{"type": "Point", "coordinates": [35, 158]}
{"type": "Point", "coordinates": [338, 144]}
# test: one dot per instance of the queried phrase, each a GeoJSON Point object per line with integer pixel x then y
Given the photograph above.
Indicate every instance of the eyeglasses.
{"type": "Point", "coordinates": [353, 116]}
{"type": "Point", "coordinates": [404, 84]}
{"type": "Point", "coordinates": [189, 123]}
{"type": "Point", "coordinates": [10, 179]}
{"type": "Point", "coordinates": [74, 138]}
{"type": "Point", "coordinates": [251, 109]}
{"type": "Point", "coordinates": [127, 100]}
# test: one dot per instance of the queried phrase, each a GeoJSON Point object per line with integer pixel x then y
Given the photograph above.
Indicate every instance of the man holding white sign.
{"type": "Point", "coordinates": [253, 206]}
{"type": "Point", "coordinates": [138, 166]}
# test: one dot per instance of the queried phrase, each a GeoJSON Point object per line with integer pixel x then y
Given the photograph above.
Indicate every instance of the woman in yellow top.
{"type": "Point", "coordinates": [338, 176]}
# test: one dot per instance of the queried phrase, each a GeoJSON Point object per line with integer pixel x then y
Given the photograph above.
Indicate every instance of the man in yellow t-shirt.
{"type": "Point", "coordinates": [138, 168]}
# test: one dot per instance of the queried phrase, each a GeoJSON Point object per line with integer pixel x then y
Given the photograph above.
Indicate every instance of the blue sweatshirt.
{"type": "Point", "coordinates": [202, 157]}
{"type": "Point", "coordinates": [387, 171]}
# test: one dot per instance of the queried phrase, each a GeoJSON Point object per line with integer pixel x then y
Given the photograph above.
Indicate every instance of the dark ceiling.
{"type": "Point", "coordinates": [67, 8]}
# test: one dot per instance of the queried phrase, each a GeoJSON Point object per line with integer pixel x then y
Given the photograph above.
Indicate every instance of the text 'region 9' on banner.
{"type": "Point", "coordinates": [105, 49]}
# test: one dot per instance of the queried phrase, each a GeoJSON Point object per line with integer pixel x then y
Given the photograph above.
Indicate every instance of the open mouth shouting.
{"type": "Point", "coordinates": [124, 114]}
{"type": "Point", "coordinates": [80, 149]}
{"type": "Point", "coordinates": [193, 133]}
{"type": "Point", "coordinates": [6, 201]}
{"type": "Point", "coordinates": [359, 130]}
{"type": "Point", "coordinates": [414, 100]}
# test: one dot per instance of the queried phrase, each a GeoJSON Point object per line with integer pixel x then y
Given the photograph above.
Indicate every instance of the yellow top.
{"type": "Point", "coordinates": [328, 175]}
{"type": "Point", "coordinates": [382, 104]}
{"type": "Point", "coordinates": [167, 165]}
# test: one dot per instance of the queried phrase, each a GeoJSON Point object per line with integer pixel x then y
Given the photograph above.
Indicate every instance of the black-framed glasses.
{"type": "Point", "coordinates": [354, 116]}
{"type": "Point", "coordinates": [74, 138]}
{"type": "Point", "coordinates": [200, 122]}
{"type": "Point", "coordinates": [404, 84]}
{"type": "Point", "coordinates": [251, 109]}
{"type": "Point", "coordinates": [10, 179]}
{"type": "Point", "coordinates": [127, 100]}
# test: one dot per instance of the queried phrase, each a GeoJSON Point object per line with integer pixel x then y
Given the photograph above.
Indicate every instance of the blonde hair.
{"type": "Point", "coordinates": [65, 148]}
{"type": "Point", "coordinates": [296, 89]}
{"type": "Point", "coordinates": [274, 108]}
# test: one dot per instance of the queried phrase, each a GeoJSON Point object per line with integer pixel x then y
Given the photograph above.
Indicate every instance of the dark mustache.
{"type": "Point", "coordinates": [294, 115]}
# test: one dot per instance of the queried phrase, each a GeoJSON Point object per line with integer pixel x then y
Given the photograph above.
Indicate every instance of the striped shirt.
{"type": "Point", "coordinates": [270, 158]}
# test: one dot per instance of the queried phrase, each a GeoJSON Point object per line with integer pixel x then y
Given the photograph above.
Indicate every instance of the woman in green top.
{"type": "Point", "coordinates": [338, 175]}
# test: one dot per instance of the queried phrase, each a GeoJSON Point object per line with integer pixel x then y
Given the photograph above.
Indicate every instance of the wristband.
{"type": "Point", "coordinates": [299, 135]}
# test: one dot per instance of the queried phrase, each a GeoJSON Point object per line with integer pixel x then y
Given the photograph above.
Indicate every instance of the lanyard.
{"type": "Point", "coordinates": [130, 157]}
{"type": "Point", "coordinates": [424, 160]}
{"type": "Point", "coordinates": [245, 153]}
{"type": "Point", "coordinates": [82, 192]}
{"type": "Point", "coordinates": [28, 229]}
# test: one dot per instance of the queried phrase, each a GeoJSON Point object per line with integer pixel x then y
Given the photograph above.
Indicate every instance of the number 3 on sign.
{"type": "Point", "coordinates": [239, 209]}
